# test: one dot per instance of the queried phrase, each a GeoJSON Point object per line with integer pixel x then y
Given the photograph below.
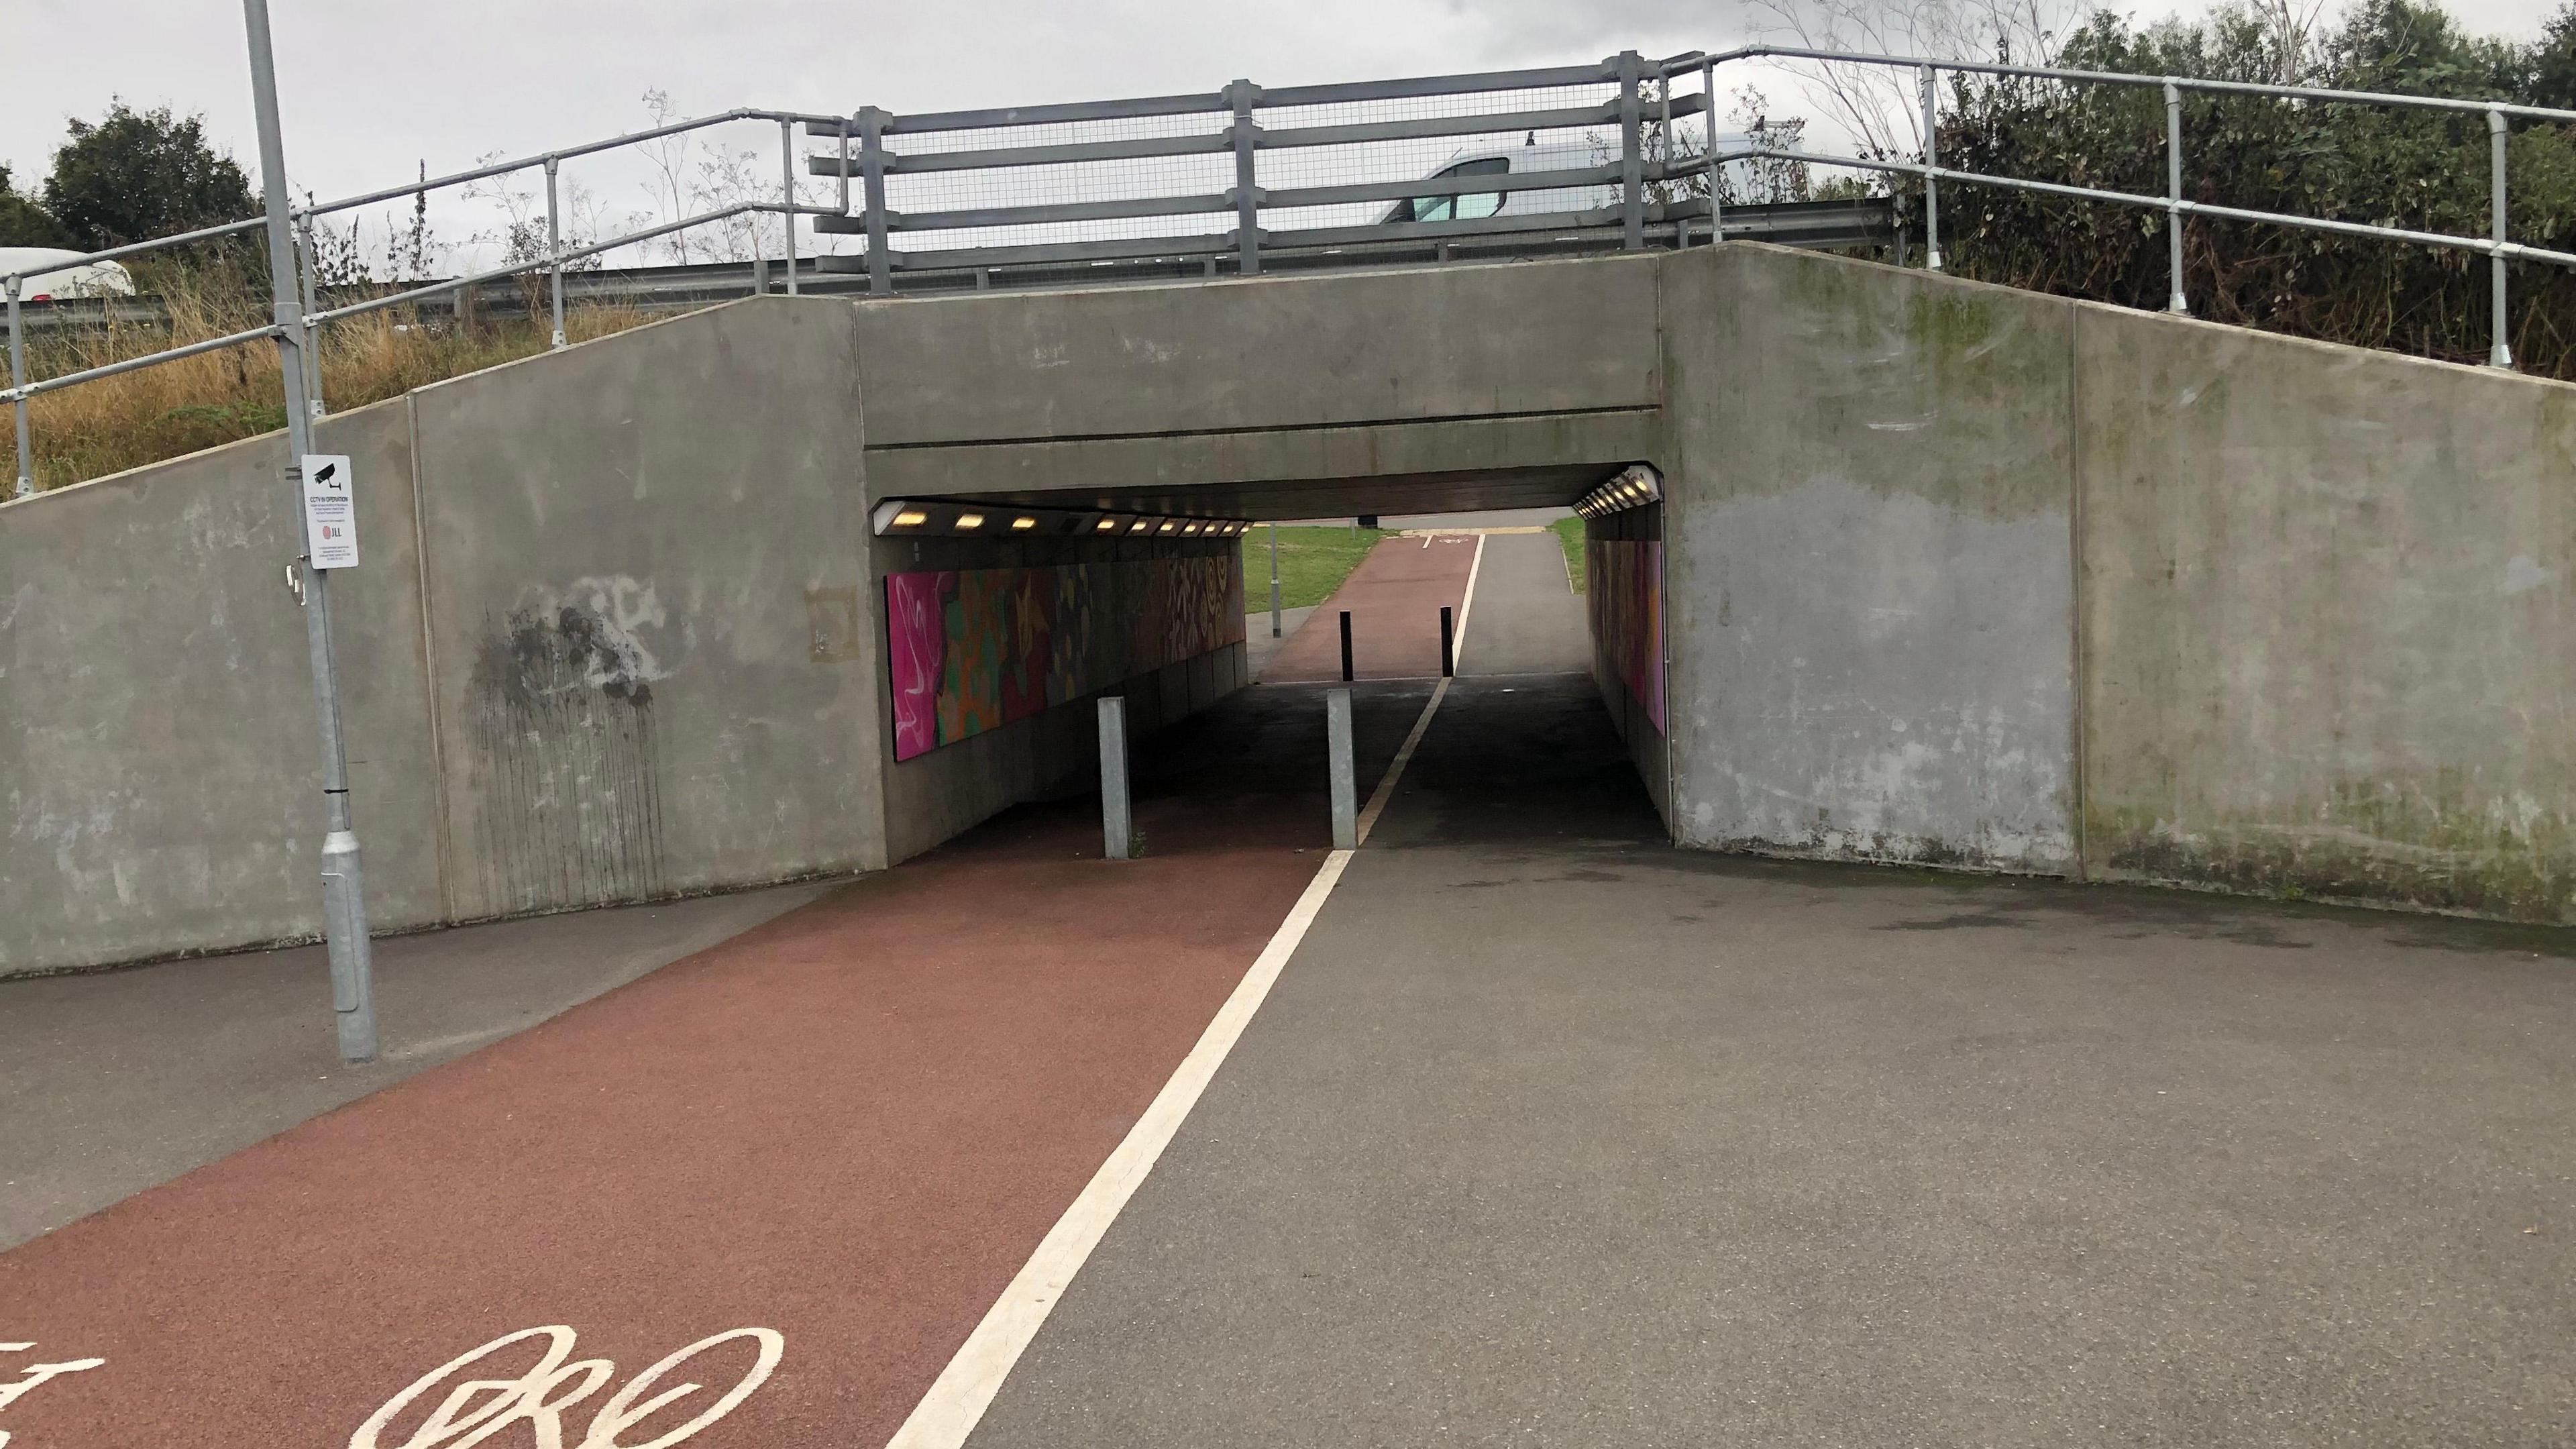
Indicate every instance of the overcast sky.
{"type": "Point", "coordinates": [371, 88]}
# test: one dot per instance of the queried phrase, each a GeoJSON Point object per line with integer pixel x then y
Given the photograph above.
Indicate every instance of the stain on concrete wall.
{"type": "Point", "coordinates": [2330, 631]}
{"type": "Point", "coordinates": [568, 766]}
{"type": "Point", "coordinates": [1870, 568]}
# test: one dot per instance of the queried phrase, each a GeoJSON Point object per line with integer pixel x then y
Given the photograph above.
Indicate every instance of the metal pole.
{"type": "Point", "coordinates": [1448, 645]}
{"type": "Point", "coordinates": [1632, 171]}
{"type": "Point", "coordinates": [26, 486]}
{"type": "Point", "coordinates": [787, 171]}
{"type": "Point", "coordinates": [1930, 84]}
{"type": "Point", "coordinates": [554, 248]}
{"type": "Point", "coordinates": [1345, 773]}
{"type": "Point", "coordinates": [344, 897]}
{"type": "Point", "coordinates": [1716, 168]}
{"type": "Point", "coordinates": [1346, 646]}
{"type": "Point", "coordinates": [1274, 581]}
{"type": "Point", "coordinates": [872, 164]}
{"type": "Point", "coordinates": [1247, 189]}
{"type": "Point", "coordinates": [304, 254]}
{"type": "Point", "coordinates": [2501, 354]}
{"type": "Point", "coordinates": [845, 166]}
{"type": "Point", "coordinates": [2173, 198]}
{"type": "Point", "coordinates": [1117, 821]}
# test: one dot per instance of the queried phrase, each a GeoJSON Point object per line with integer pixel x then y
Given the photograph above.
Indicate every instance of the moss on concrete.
{"type": "Point", "coordinates": [2431, 844]}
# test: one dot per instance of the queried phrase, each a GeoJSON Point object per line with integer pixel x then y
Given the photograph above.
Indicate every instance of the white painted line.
{"type": "Point", "coordinates": [1385, 790]}
{"type": "Point", "coordinates": [1466, 606]}
{"type": "Point", "coordinates": [956, 1402]}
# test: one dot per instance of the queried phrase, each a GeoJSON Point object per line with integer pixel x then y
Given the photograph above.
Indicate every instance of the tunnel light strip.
{"type": "Point", "coordinates": [1637, 485]}
{"type": "Point", "coordinates": [926, 517]}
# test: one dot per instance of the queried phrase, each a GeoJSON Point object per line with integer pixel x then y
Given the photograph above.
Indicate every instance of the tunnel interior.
{"type": "Point", "coordinates": [1543, 730]}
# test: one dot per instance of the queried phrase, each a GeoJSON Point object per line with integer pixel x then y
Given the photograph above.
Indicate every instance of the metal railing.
{"type": "Point", "coordinates": [1233, 179]}
{"type": "Point", "coordinates": [2496, 245]}
{"type": "Point", "coordinates": [313, 318]}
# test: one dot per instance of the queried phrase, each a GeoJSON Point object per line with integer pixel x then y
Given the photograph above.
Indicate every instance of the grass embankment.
{"type": "Point", "coordinates": [1312, 563]}
{"type": "Point", "coordinates": [96, 428]}
{"type": "Point", "coordinates": [1569, 534]}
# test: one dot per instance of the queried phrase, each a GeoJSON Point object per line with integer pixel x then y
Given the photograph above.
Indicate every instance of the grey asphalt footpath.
{"type": "Point", "coordinates": [1526, 617]}
{"type": "Point", "coordinates": [1553, 1135]}
{"type": "Point", "coordinates": [1258, 646]}
{"type": "Point", "coordinates": [116, 1081]}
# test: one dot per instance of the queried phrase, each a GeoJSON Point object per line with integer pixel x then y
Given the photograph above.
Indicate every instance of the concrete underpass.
{"type": "Point", "coordinates": [1747, 1020]}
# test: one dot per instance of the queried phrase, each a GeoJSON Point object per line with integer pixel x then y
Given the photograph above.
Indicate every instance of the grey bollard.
{"type": "Point", "coordinates": [1346, 780]}
{"type": "Point", "coordinates": [1117, 825]}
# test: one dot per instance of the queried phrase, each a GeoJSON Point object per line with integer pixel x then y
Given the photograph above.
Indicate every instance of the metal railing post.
{"type": "Point", "coordinates": [1274, 580]}
{"type": "Point", "coordinates": [787, 175]}
{"type": "Point", "coordinates": [1117, 818]}
{"type": "Point", "coordinates": [1632, 170]}
{"type": "Point", "coordinates": [304, 257]}
{"type": "Point", "coordinates": [845, 166]}
{"type": "Point", "coordinates": [1343, 769]}
{"type": "Point", "coordinates": [872, 164]}
{"type": "Point", "coordinates": [1716, 168]}
{"type": "Point", "coordinates": [1930, 82]}
{"type": "Point", "coordinates": [2501, 354]}
{"type": "Point", "coordinates": [344, 897]}
{"type": "Point", "coordinates": [1247, 188]}
{"type": "Point", "coordinates": [2173, 198]}
{"type": "Point", "coordinates": [26, 485]}
{"type": "Point", "coordinates": [554, 249]}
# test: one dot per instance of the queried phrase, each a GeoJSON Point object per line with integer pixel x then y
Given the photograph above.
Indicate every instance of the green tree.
{"type": "Point", "coordinates": [23, 223]}
{"type": "Point", "coordinates": [135, 175]}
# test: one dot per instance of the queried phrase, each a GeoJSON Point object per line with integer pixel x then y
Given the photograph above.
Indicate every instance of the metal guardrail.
{"type": "Point", "coordinates": [1165, 156]}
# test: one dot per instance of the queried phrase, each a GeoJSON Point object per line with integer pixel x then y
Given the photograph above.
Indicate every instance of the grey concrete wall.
{"type": "Point", "coordinates": [2330, 605]}
{"type": "Point", "coordinates": [1869, 571]}
{"type": "Point", "coordinates": [656, 671]}
{"type": "Point", "coordinates": [159, 761]}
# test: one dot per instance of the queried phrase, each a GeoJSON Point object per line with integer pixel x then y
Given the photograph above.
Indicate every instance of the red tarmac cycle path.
{"type": "Point", "coordinates": [850, 1125]}
{"type": "Point", "coordinates": [1394, 598]}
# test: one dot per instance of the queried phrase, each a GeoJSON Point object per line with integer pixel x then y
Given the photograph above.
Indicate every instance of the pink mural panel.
{"type": "Point", "coordinates": [916, 656]}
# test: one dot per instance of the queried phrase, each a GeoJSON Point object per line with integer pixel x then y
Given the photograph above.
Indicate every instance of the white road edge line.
{"type": "Point", "coordinates": [948, 1414]}
{"type": "Point", "coordinates": [1385, 791]}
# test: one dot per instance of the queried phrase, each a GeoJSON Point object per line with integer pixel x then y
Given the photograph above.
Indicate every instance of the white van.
{"type": "Point", "coordinates": [1555, 156]}
{"type": "Point", "coordinates": [47, 279]}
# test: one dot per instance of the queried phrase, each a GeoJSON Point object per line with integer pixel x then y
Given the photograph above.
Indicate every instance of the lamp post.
{"type": "Point", "coordinates": [344, 895]}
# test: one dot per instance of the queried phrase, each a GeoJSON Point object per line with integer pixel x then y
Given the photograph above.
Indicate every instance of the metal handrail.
{"type": "Point", "coordinates": [1243, 135]}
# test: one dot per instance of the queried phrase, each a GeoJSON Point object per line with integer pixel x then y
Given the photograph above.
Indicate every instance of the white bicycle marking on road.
{"type": "Point", "coordinates": [34, 1374]}
{"type": "Point", "coordinates": [475, 1410]}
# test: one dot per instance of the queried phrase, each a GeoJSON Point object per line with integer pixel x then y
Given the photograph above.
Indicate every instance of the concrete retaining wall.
{"type": "Point", "coordinates": [1869, 563]}
{"type": "Point", "coordinates": [1974, 577]}
{"type": "Point", "coordinates": [2330, 620]}
{"type": "Point", "coordinates": [1954, 575]}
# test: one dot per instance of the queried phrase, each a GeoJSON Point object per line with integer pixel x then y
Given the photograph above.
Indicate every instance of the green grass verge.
{"type": "Point", "coordinates": [1569, 532]}
{"type": "Point", "coordinates": [1312, 563]}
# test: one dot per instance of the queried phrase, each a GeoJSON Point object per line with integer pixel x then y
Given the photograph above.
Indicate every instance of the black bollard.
{"type": "Point", "coordinates": [1448, 646]}
{"type": "Point", "coordinates": [1346, 646]}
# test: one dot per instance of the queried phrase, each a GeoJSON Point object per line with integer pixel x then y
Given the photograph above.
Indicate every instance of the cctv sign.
{"type": "Point", "coordinates": [330, 512]}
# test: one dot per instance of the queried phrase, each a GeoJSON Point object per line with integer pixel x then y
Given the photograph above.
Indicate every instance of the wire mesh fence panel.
{"type": "Point", "coordinates": [916, 194]}
{"type": "Point", "coordinates": [1509, 146]}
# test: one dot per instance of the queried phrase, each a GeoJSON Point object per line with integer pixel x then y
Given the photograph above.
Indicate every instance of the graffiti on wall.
{"type": "Point", "coordinates": [1625, 593]}
{"type": "Point", "coordinates": [974, 649]}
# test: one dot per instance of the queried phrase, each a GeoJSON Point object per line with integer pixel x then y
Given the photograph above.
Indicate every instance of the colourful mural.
{"type": "Point", "coordinates": [1625, 594]}
{"type": "Point", "coordinates": [973, 649]}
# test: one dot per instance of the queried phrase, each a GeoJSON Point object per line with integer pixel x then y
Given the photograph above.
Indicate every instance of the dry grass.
{"type": "Point", "coordinates": [97, 428]}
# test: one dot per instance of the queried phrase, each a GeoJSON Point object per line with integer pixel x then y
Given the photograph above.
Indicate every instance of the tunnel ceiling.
{"type": "Point", "coordinates": [1554, 487]}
